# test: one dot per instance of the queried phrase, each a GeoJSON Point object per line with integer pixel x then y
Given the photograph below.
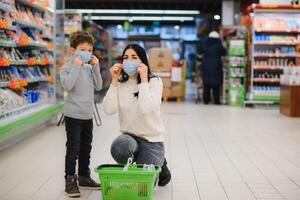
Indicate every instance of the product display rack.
{"type": "Point", "coordinates": [237, 71]}
{"type": "Point", "coordinates": [27, 68]}
{"type": "Point", "coordinates": [275, 45]}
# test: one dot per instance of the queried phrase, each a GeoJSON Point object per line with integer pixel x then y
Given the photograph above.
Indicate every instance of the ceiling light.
{"type": "Point", "coordinates": [217, 17]}
{"type": "Point", "coordinates": [146, 12]}
{"type": "Point", "coordinates": [187, 12]}
{"type": "Point", "coordinates": [125, 11]}
{"type": "Point", "coordinates": [140, 18]}
{"type": "Point", "coordinates": [118, 18]}
{"type": "Point", "coordinates": [178, 18]}
{"type": "Point", "coordinates": [176, 27]}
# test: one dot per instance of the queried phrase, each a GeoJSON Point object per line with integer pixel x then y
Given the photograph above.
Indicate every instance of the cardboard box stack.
{"type": "Point", "coordinates": [161, 61]}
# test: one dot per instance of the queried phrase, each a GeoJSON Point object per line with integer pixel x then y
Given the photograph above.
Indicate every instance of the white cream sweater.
{"type": "Point", "coordinates": [137, 115]}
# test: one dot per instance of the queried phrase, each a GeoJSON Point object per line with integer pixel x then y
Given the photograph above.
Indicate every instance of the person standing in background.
{"type": "Point", "coordinates": [211, 68]}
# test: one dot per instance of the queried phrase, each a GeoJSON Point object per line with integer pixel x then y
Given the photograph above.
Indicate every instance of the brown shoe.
{"type": "Point", "coordinates": [86, 182]}
{"type": "Point", "coordinates": [72, 189]}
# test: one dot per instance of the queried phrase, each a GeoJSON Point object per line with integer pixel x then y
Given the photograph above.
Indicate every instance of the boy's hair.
{"type": "Point", "coordinates": [80, 37]}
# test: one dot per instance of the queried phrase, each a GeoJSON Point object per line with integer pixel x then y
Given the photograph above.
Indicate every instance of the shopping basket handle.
{"type": "Point", "coordinates": [129, 162]}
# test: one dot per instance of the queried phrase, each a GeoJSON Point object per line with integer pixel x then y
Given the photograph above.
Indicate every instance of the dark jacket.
{"type": "Point", "coordinates": [211, 68]}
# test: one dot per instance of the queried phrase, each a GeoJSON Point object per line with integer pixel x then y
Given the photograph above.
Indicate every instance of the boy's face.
{"type": "Point", "coordinates": [83, 47]}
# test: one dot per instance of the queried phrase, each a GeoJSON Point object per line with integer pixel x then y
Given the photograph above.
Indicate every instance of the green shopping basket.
{"type": "Point", "coordinates": [133, 184]}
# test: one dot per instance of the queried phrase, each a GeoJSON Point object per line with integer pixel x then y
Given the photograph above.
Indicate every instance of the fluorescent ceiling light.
{"type": "Point", "coordinates": [107, 17]}
{"type": "Point", "coordinates": [146, 11]}
{"type": "Point", "coordinates": [217, 17]}
{"type": "Point", "coordinates": [178, 18]}
{"type": "Point", "coordinates": [187, 12]}
{"type": "Point", "coordinates": [139, 18]}
{"type": "Point", "coordinates": [125, 11]}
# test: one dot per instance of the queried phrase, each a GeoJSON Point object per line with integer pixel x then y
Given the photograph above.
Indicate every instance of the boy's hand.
{"type": "Point", "coordinates": [78, 60]}
{"type": "Point", "coordinates": [94, 60]}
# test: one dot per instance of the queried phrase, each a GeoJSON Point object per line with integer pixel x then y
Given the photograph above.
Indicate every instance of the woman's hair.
{"type": "Point", "coordinates": [141, 53]}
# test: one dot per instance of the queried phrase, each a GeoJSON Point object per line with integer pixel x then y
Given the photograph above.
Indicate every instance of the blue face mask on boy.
{"type": "Point", "coordinates": [84, 55]}
{"type": "Point", "coordinates": [130, 67]}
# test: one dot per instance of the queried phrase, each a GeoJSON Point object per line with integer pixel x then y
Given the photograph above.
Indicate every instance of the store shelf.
{"type": "Point", "coordinates": [6, 8]}
{"type": "Point", "coordinates": [8, 44]}
{"type": "Point", "coordinates": [24, 62]}
{"type": "Point", "coordinates": [266, 97]}
{"type": "Point", "coordinates": [34, 44]}
{"type": "Point", "coordinates": [18, 62]}
{"type": "Point", "coordinates": [237, 65]}
{"type": "Point", "coordinates": [277, 31]}
{"type": "Point", "coordinates": [38, 80]}
{"type": "Point", "coordinates": [283, 43]}
{"type": "Point", "coordinates": [13, 28]}
{"type": "Point", "coordinates": [266, 80]}
{"type": "Point", "coordinates": [23, 23]}
{"type": "Point", "coordinates": [4, 84]}
{"type": "Point", "coordinates": [14, 125]}
{"type": "Point", "coordinates": [268, 67]}
{"type": "Point", "coordinates": [276, 55]}
{"type": "Point", "coordinates": [235, 77]}
{"type": "Point", "coordinates": [34, 5]}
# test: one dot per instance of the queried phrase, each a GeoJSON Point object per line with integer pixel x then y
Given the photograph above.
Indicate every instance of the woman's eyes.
{"type": "Point", "coordinates": [132, 57]}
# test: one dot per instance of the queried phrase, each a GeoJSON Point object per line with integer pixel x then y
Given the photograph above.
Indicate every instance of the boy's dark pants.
{"type": "Point", "coordinates": [79, 145]}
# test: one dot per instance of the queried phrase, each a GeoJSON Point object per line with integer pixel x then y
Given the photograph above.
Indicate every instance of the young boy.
{"type": "Point", "coordinates": [79, 77]}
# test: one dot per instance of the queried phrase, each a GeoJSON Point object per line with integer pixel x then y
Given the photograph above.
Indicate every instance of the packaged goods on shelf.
{"type": "Point", "coordinates": [236, 61]}
{"type": "Point", "coordinates": [27, 67]}
{"type": "Point", "coordinates": [72, 23]}
{"type": "Point", "coordinates": [236, 72]}
{"type": "Point", "coordinates": [274, 46]}
{"type": "Point", "coordinates": [237, 47]}
{"type": "Point", "coordinates": [274, 23]}
{"type": "Point", "coordinates": [9, 100]}
{"type": "Point", "coordinates": [282, 39]}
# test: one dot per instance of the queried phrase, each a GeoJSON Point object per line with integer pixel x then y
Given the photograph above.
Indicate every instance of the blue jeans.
{"type": "Point", "coordinates": [142, 151]}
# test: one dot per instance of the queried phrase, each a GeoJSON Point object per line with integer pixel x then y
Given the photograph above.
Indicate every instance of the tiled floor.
{"type": "Point", "coordinates": [215, 153]}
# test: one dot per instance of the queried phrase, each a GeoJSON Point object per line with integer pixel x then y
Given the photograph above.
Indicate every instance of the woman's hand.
{"type": "Point", "coordinates": [115, 72]}
{"type": "Point", "coordinates": [143, 71]}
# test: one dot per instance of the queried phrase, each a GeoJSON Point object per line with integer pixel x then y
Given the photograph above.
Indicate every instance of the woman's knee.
{"type": "Point", "coordinates": [123, 147]}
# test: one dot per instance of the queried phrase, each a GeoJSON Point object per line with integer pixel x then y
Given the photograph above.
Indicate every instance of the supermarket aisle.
{"type": "Point", "coordinates": [215, 153]}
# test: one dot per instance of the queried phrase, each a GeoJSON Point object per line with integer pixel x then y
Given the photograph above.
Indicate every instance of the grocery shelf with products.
{"type": "Point", "coordinates": [235, 70]}
{"type": "Point", "coordinates": [275, 46]}
{"type": "Point", "coordinates": [27, 66]}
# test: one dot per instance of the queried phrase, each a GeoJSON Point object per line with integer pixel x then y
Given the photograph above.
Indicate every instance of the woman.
{"type": "Point", "coordinates": [135, 94]}
{"type": "Point", "coordinates": [212, 69]}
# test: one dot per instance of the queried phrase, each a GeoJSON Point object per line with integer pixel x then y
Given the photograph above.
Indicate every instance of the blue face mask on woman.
{"type": "Point", "coordinates": [130, 67]}
{"type": "Point", "coordinates": [84, 55]}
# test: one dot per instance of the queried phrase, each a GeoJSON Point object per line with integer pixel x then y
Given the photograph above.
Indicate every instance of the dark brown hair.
{"type": "Point", "coordinates": [80, 37]}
